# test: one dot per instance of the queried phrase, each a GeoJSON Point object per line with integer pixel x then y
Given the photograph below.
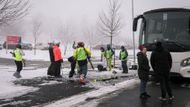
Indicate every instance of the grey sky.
{"type": "Point", "coordinates": [85, 13]}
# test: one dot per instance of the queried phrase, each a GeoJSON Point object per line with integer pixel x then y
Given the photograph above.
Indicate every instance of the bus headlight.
{"type": "Point", "coordinates": [185, 62]}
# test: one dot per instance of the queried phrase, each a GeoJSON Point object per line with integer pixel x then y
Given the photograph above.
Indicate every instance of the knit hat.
{"type": "Point", "coordinates": [56, 42]}
{"type": "Point", "coordinates": [80, 44]}
{"type": "Point", "coordinates": [141, 47]}
{"type": "Point", "coordinates": [18, 46]}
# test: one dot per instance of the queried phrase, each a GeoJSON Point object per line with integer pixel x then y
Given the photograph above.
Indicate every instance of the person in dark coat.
{"type": "Point", "coordinates": [73, 65]}
{"type": "Point", "coordinates": [161, 62]}
{"type": "Point", "coordinates": [51, 54]}
{"type": "Point", "coordinates": [143, 70]}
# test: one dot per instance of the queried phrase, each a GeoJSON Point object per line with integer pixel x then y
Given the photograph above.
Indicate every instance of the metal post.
{"type": "Point", "coordinates": [134, 60]}
{"type": "Point", "coordinates": [6, 47]}
{"type": "Point", "coordinates": [114, 59]}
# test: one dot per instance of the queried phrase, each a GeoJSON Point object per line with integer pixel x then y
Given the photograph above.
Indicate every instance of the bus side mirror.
{"type": "Point", "coordinates": [189, 27]}
{"type": "Point", "coordinates": [135, 21]}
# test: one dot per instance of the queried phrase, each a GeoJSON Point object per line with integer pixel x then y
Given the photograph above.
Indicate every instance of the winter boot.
{"type": "Point", "coordinates": [147, 95]}
{"type": "Point", "coordinates": [162, 99]}
{"type": "Point", "coordinates": [82, 81]}
{"type": "Point", "coordinates": [17, 75]}
{"type": "Point", "coordinates": [142, 96]}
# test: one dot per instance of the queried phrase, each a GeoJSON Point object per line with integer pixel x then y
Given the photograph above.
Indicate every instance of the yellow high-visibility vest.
{"type": "Point", "coordinates": [18, 55]}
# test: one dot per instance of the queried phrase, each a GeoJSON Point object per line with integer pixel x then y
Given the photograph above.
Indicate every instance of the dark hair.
{"type": "Point", "coordinates": [122, 47]}
{"type": "Point", "coordinates": [108, 46]}
{"type": "Point", "coordinates": [18, 46]}
{"type": "Point", "coordinates": [158, 44]}
{"type": "Point", "coordinates": [80, 44]}
{"type": "Point", "coordinates": [102, 48]}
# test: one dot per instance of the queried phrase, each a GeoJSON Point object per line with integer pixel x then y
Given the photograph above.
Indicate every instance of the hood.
{"type": "Point", "coordinates": [159, 48]}
{"type": "Point", "coordinates": [139, 53]}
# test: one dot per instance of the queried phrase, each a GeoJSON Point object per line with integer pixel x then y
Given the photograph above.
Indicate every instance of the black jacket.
{"type": "Point", "coordinates": [143, 66]}
{"type": "Point", "coordinates": [161, 60]}
{"type": "Point", "coordinates": [51, 54]}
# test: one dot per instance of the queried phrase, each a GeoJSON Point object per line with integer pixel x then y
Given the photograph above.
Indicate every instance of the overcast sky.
{"type": "Point", "coordinates": [85, 12]}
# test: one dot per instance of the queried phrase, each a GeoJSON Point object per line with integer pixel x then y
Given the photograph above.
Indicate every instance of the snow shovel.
{"type": "Point", "coordinates": [89, 60]}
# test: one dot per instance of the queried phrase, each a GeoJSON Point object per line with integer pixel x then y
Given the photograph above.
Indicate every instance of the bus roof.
{"type": "Point", "coordinates": [168, 10]}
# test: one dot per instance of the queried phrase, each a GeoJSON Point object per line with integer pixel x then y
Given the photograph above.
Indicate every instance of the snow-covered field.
{"type": "Point", "coordinates": [44, 54]}
{"type": "Point", "coordinates": [8, 89]}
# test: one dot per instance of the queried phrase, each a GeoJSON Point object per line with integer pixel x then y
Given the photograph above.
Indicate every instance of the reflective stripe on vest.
{"type": "Point", "coordinates": [18, 56]}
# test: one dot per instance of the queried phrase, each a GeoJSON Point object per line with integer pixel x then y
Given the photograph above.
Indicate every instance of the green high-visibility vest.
{"type": "Point", "coordinates": [102, 54]}
{"type": "Point", "coordinates": [109, 54]}
{"type": "Point", "coordinates": [18, 55]}
{"type": "Point", "coordinates": [123, 56]}
{"type": "Point", "coordinates": [81, 54]}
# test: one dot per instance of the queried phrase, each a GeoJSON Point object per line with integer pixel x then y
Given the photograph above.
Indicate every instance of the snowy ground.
{"type": "Point", "coordinates": [9, 90]}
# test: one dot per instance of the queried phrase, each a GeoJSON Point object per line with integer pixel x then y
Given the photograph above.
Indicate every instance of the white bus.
{"type": "Point", "coordinates": [171, 26]}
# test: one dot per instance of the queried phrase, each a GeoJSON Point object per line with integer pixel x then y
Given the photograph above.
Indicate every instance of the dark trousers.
{"type": "Point", "coordinates": [51, 69]}
{"type": "Point", "coordinates": [71, 73]}
{"type": "Point", "coordinates": [18, 65]}
{"type": "Point", "coordinates": [83, 69]}
{"type": "Point", "coordinates": [143, 85]}
{"type": "Point", "coordinates": [57, 68]}
{"type": "Point", "coordinates": [165, 85]}
{"type": "Point", "coordinates": [124, 66]}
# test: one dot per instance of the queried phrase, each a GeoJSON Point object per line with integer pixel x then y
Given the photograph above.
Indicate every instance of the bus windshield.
{"type": "Point", "coordinates": [172, 28]}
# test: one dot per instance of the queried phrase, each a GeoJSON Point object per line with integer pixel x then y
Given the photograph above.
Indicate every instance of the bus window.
{"type": "Point", "coordinates": [173, 28]}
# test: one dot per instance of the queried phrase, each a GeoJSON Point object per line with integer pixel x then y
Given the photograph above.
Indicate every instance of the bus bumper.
{"type": "Point", "coordinates": [185, 71]}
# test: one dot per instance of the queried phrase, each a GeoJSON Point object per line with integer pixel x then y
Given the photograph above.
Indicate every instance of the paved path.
{"type": "Point", "coordinates": [130, 98]}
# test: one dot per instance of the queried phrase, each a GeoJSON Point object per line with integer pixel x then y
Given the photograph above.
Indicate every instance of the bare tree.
{"type": "Point", "coordinates": [65, 35]}
{"type": "Point", "coordinates": [36, 32]}
{"type": "Point", "coordinates": [91, 36]}
{"type": "Point", "coordinates": [110, 22]}
{"type": "Point", "coordinates": [13, 29]}
{"type": "Point", "coordinates": [11, 10]}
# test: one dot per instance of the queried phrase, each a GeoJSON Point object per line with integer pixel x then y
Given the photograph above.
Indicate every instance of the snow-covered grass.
{"type": "Point", "coordinates": [8, 89]}
{"type": "Point", "coordinates": [43, 55]}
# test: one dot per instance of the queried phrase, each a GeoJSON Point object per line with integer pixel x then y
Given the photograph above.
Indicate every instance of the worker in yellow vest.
{"type": "Point", "coordinates": [81, 54]}
{"type": "Point", "coordinates": [123, 57]}
{"type": "Point", "coordinates": [109, 54]}
{"type": "Point", "coordinates": [18, 57]}
{"type": "Point", "coordinates": [103, 58]}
